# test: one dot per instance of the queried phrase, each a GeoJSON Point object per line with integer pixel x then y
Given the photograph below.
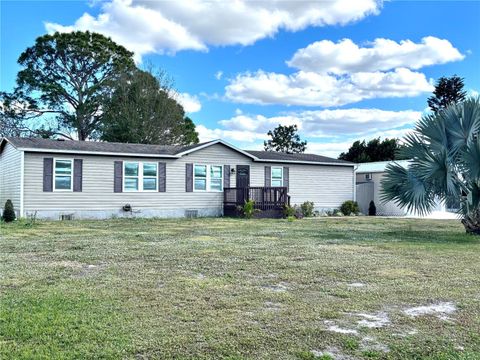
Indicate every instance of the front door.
{"type": "Point", "coordinates": [243, 176]}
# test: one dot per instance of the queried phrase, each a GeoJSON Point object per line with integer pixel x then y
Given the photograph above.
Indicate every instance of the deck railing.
{"type": "Point", "coordinates": [267, 199]}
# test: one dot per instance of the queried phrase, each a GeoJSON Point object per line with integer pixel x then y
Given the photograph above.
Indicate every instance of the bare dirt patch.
{"type": "Point", "coordinates": [440, 310]}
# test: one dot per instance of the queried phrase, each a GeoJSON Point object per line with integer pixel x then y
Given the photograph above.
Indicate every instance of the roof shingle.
{"type": "Point", "coordinates": [160, 150]}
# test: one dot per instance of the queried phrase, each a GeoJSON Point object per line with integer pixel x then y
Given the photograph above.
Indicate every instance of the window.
{"type": "Point", "coordinates": [208, 178]}
{"type": "Point", "coordinates": [149, 177]}
{"type": "Point", "coordinates": [138, 176]}
{"type": "Point", "coordinates": [63, 171]}
{"type": "Point", "coordinates": [200, 176]}
{"type": "Point", "coordinates": [216, 179]}
{"type": "Point", "coordinates": [277, 176]}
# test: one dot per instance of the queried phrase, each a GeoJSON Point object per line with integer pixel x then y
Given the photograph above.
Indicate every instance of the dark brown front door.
{"type": "Point", "coordinates": [243, 176]}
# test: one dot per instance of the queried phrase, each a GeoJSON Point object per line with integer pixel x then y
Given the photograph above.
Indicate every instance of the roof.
{"type": "Point", "coordinates": [164, 151]}
{"type": "Point", "coordinates": [379, 166]}
{"type": "Point", "coordinates": [97, 146]}
{"type": "Point", "coordinates": [313, 158]}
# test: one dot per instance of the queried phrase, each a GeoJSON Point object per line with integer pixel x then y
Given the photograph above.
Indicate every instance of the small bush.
{"type": "Point", "coordinates": [248, 209]}
{"type": "Point", "coordinates": [292, 211]}
{"type": "Point", "coordinates": [307, 208]}
{"type": "Point", "coordinates": [8, 212]}
{"type": "Point", "coordinates": [349, 207]}
{"type": "Point", "coordinates": [288, 211]}
{"type": "Point", "coordinates": [372, 209]}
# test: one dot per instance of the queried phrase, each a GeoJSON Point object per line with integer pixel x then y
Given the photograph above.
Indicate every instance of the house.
{"type": "Point", "coordinates": [368, 188]}
{"type": "Point", "coordinates": [60, 179]}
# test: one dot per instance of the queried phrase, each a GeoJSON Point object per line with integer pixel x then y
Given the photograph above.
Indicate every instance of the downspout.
{"type": "Point", "coordinates": [355, 182]}
{"type": "Point", "coordinates": [22, 182]}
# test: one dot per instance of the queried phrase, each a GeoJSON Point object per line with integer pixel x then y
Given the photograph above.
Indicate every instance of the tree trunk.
{"type": "Point", "coordinates": [471, 222]}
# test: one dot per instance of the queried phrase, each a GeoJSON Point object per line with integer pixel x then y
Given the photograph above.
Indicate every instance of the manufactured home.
{"type": "Point", "coordinates": [57, 179]}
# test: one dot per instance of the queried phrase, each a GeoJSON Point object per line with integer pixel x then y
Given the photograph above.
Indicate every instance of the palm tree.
{"type": "Point", "coordinates": [445, 153]}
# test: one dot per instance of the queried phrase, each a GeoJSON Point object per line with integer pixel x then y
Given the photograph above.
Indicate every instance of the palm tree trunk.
{"type": "Point", "coordinates": [471, 222]}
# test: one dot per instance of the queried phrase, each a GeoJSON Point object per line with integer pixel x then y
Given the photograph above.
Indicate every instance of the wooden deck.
{"type": "Point", "coordinates": [269, 200]}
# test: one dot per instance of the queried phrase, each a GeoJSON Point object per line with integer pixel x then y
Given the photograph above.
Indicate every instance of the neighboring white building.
{"type": "Point", "coordinates": [368, 188]}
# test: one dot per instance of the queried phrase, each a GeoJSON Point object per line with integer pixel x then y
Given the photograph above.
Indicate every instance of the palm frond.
{"type": "Point", "coordinates": [432, 130]}
{"type": "Point", "coordinates": [413, 145]}
{"type": "Point", "coordinates": [462, 123]}
{"type": "Point", "coordinates": [438, 170]}
{"type": "Point", "coordinates": [407, 190]}
{"type": "Point", "coordinates": [471, 160]}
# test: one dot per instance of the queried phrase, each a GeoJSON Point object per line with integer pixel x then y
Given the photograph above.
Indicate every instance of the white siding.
{"type": "Point", "coordinates": [383, 209]}
{"type": "Point", "coordinates": [10, 177]}
{"type": "Point", "coordinates": [327, 186]}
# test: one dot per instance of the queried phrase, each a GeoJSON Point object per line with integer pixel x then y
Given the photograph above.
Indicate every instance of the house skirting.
{"type": "Point", "coordinates": [115, 213]}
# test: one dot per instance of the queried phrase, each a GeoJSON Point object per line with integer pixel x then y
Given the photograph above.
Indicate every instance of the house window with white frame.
{"type": "Point", "coordinates": [63, 171]}
{"type": "Point", "coordinates": [277, 177]}
{"type": "Point", "coordinates": [208, 178]}
{"type": "Point", "coordinates": [140, 176]}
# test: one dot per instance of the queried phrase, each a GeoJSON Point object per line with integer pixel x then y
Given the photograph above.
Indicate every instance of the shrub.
{"type": "Point", "coordinates": [349, 207]}
{"type": "Point", "coordinates": [248, 209]}
{"type": "Point", "coordinates": [307, 208]}
{"type": "Point", "coordinates": [8, 212]}
{"type": "Point", "coordinates": [372, 209]}
{"type": "Point", "coordinates": [292, 211]}
{"type": "Point", "coordinates": [288, 211]}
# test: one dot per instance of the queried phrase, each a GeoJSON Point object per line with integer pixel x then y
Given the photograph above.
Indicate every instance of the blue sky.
{"type": "Point", "coordinates": [242, 68]}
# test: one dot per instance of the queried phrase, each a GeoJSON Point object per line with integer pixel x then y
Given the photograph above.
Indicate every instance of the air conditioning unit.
{"type": "Point", "coordinates": [368, 176]}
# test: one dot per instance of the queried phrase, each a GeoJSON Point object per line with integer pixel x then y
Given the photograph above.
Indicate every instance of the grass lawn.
{"type": "Point", "coordinates": [345, 288]}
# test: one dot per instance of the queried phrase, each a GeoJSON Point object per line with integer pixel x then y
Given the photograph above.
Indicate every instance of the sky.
{"type": "Point", "coordinates": [342, 70]}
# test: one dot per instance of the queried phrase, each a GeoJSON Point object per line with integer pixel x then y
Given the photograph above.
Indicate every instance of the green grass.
{"type": "Point", "coordinates": [237, 289]}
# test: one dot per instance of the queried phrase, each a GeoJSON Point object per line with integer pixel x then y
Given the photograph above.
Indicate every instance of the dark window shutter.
{"type": "Point", "coordinates": [162, 177]}
{"type": "Point", "coordinates": [48, 174]}
{"type": "Point", "coordinates": [77, 175]}
{"type": "Point", "coordinates": [117, 176]}
{"type": "Point", "coordinates": [188, 177]}
{"type": "Point", "coordinates": [226, 176]}
{"type": "Point", "coordinates": [268, 176]}
{"type": "Point", "coordinates": [286, 177]}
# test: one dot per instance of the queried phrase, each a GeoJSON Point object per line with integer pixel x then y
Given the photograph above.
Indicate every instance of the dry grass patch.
{"type": "Point", "coordinates": [235, 289]}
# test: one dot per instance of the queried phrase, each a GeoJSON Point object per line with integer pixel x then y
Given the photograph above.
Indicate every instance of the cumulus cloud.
{"type": "Point", "coordinates": [329, 132]}
{"type": "Point", "coordinates": [326, 123]}
{"type": "Point", "coordinates": [382, 54]}
{"type": "Point", "coordinates": [146, 26]}
{"type": "Point", "coordinates": [334, 74]}
{"type": "Point", "coordinates": [316, 89]}
{"type": "Point", "coordinates": [189, 102]}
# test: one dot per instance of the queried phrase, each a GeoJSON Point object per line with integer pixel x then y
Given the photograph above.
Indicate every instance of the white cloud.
{"type": "Point", "coordinates": [189, 102]}
{"type": "Point", "coordinates": [337, 129]}
{"type": "Point", "coordinates": [331, 149]}
{"type": "Point", "coordinates": [382, 54]}
{"type": "Point", "coordinates": [315, 89]}
{"type": "Point", "coordinates": [334, 74]}
{"type": "Point", "coordinates": [237, 136]}
{"type": "Point", "coordinates": [146, 26]}
{"type": "Point", "coordinates": [326, 123]}
{"type": "Point", "coordinates": [218, 75]}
